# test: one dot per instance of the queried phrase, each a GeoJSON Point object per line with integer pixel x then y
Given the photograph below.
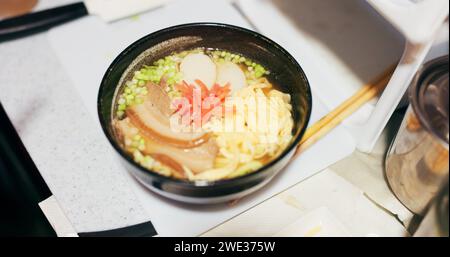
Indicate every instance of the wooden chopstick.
{"type": "Point", "coordinates": [343, 111]}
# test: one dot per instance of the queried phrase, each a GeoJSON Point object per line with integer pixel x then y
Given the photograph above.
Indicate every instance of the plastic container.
{"type": "Point", "coordinates": [417, 163]}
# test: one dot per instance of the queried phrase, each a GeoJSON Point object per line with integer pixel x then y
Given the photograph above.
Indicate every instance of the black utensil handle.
{"type": "Point", "coordinates": [39, 21]}
{"type": "Point", "coordinates": [145, 229]}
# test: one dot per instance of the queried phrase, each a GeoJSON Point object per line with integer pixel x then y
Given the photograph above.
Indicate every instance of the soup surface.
{"type": "Point", "coordinates": [203, 114]}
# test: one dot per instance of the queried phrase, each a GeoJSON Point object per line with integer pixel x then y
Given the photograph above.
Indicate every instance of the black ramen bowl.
{"type": "Point", "coordinates": [286, 73]}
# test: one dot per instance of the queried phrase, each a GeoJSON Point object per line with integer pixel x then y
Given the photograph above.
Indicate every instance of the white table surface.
{"type": "Point", "coordinates": [31, 75]}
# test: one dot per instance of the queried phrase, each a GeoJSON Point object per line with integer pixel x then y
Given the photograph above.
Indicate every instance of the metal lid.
{"type": "Point", "coordinates": [429, 97]}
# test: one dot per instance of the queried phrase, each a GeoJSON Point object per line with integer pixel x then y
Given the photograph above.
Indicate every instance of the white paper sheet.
{"type": "Point", "coordinates": [86, 48]}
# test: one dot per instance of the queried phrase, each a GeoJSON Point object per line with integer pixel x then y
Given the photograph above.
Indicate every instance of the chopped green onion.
{"type": "Point", "coordinates": [122, 107]}
{"type": "Point", "coordinates": [139, 101]}
{"type": "Point", "coordinates": [120, 114]}
{"type": "Point", "coordinates": [138, 156]}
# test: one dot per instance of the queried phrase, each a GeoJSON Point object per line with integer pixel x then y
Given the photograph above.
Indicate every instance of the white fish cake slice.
{"type": "Point", "coordinates": [199, 66]}
{"type": "Point", "coordinates": [229, 72]}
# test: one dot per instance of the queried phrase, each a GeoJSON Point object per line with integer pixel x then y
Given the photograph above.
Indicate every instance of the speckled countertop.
{"type": "Point", "coordinates": [56, 128]}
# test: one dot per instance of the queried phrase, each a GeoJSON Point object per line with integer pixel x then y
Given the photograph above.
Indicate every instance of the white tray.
{"type": "Point", "coordinates": [349, 43]}
{"type": "Point", "coordinates": [85, 49]}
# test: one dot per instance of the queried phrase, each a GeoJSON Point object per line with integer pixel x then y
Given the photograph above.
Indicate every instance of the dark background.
{"type": "Point", "coordinates": [21, 187]}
